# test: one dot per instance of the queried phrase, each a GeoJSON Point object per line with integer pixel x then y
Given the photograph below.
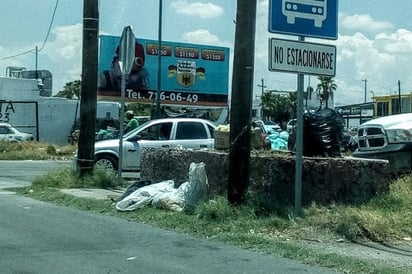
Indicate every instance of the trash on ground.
{"type": "Point", "coordinates": [165, 195]}
{"type": "Point", "coordinates": [278, 140]}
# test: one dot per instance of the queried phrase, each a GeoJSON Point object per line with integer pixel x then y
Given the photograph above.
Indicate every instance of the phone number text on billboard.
{"type": "Point", "coordinates": [168, 97]}
{"type": "Point", "coordinates": [171, 96]}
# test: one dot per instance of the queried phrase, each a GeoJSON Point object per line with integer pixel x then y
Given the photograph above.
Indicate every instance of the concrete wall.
{"type": "Point", "coordinates": [15, 89]}
{"type": "Point", "coordinates": [57, 115]}
{"type": "Point", "coordinates": [324, 180]}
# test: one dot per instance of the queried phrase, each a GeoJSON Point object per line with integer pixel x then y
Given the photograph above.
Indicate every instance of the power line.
{"type": "Point", "coordinates": [19, 54]}
{"type": "Point", "coordinates": [44, 42]}
{"type": "Point", "coordinates": [50, 25]}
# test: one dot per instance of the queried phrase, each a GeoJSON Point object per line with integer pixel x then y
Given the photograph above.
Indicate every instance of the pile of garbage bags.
{"type": "Point", "coordinates": [165, 195]}
{"type": "Point", "coordinates": [322, 133]}
{"type": "Point", "coordinates": [109, 133]}
{"type": "Point", "coordinates": [278, 140]}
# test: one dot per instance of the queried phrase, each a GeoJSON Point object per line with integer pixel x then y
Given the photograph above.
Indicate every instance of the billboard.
{"type": "Point", "coordinates": [191, 74]}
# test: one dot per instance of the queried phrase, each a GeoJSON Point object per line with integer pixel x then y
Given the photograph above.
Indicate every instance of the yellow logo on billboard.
{"type": "Point", "coordinates": [186, 73]}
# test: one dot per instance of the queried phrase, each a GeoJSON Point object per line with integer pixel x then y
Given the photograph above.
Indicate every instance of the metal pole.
{"type": "Point", "coordinates": [159, 61]}
{"type": "Point", "coordinates": [399, 95]}
{"type": "Point", "coordinates": [37, 73]}
{"type": "Point", "coordinates": [366, 81]}
{"type": "Point", "coordinates": [127, 49]}
{"type": "Point", "coordinates": [299, 143]}
{"type": "Point", "coordinates": [121, 128]}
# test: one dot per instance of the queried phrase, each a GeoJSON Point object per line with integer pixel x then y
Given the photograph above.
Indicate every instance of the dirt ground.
{"type": "Point", "coordinates": [397, 254]}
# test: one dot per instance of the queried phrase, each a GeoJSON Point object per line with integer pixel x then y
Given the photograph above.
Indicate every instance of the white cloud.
{"type": "Point", "coordinates": [197, 9]}
{"type": "Point", "coordinates": [203, 36]}
{"type": "Point", "coordinates": [398, 42]}
{"type": "Point", "coordinates": [67, 44]}
{"type": "Point", "coordinates": [65, 49]}
{"type": "Point", "coordinates": [363, 22]}
{"type": "Point", "coordinates": [382, 61]}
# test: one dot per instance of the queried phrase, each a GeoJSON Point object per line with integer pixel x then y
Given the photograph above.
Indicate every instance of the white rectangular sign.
{"type": "Point", "coordinates": [302, 57]}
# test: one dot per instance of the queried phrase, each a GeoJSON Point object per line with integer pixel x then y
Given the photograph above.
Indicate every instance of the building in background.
{"type": "Point", "coordinates": [27, 105]}
{"type": "Point", "coordinates": [392, 104]}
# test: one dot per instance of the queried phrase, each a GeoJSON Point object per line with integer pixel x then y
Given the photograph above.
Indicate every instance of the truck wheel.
{"type": "Point", "coordinates": [106, 162]}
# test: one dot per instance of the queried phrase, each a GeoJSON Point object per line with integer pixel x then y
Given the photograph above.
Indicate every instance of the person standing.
{"type": "Point", "coordinates": [132, 122]}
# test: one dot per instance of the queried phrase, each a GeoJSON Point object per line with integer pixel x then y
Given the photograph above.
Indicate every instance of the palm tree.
{"type": "Point", "coordinates": [278, 107]}
{"type": "Point", "coordinates": [325, 88]}
{"type": "Point", "coordinates": [267, 103]}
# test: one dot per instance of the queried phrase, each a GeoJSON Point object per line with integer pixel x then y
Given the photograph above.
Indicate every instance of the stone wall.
{"type": "Point", "coordinates": [324, 180]}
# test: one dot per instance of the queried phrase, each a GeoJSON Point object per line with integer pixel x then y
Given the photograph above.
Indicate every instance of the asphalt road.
{"type": "Point", "coordinates": [27, 170]}
{"type": "Point", "coordinates": [37, 237]}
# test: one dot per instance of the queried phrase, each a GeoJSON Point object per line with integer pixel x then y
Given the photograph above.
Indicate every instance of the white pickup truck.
{"type": "Point", "coordinates": [388, 138]}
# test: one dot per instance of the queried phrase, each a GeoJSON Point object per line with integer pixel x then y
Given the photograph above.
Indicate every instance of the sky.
{"type": "Point", "coordinates": [374, 44]}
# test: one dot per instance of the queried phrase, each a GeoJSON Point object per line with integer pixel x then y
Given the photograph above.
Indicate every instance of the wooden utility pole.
{"type": "Point", "coordinates": [241, 102]}
{"type": "Point", "coordinates": [88, 98]}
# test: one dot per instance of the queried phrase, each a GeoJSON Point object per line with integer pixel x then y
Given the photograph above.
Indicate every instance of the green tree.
{"type": "Point", "coordinates": [268, 104]}
{"type": "Point", "coordinates": [70, 90]}
{"type": "Point", "coordinates": [278, 107]}
{"type": "Point", "coordinates": [326, 88]}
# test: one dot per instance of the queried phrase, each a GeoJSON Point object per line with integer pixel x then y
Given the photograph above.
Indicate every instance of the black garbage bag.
{"type": "Point", "coordinates": [322, 134]}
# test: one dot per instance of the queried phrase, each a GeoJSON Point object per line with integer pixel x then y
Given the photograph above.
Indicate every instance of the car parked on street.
{"type": "Point", "coordinates": [290, 125]}
{"type": "Point", "coordinates": [388, 138]}
{"type": "Point", "coordinates": [272, 126]}
{"type": "Point", "coordinates": [11, 134]}
{"type": "Point", "coordinates": [190, 133]}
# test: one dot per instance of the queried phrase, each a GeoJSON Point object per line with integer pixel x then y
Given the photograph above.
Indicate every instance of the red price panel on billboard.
{"type": "Point", "coordinates": [213, 55]}
{"type": "Point", "coordinates": [151, 49]}
{"type": "Point", "coordinates": [185, 52]}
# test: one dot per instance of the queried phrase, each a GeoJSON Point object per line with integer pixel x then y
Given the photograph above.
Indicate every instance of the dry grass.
{"type": "Point", "coordinates": [35, 151]}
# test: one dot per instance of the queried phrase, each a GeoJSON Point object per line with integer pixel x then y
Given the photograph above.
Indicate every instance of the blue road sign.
{"type": "Point", "coordinates": [313, 18]}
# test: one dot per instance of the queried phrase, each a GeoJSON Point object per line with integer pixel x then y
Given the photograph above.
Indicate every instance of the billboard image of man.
{"type": "Point", "coordinates": [138, 78]}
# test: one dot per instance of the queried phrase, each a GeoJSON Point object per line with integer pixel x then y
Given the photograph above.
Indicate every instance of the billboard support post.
{"type": "Point", "coordinates": [159, 60]}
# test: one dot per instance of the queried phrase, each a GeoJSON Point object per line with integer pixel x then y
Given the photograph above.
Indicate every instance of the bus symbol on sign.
{"type": "Point", "coordinates": [313, 18]}
{"type": "Point", "coordinates": [315, 10]}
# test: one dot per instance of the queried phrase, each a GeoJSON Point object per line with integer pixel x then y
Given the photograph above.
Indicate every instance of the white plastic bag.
{"type": "Point", "coordinates": [173, 200]}
{"type": "Point", "coordinates": [197, 188]}
{"type": "Point", "coordinates": [165, 195]}
{"type": "Point", "coordinates": [144, 195]}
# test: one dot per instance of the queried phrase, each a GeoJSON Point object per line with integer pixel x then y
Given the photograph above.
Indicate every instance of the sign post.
{"type": "Point", "coordinates": [126, 59]}
{"type": "Point", "coordinates": [303, 18]}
